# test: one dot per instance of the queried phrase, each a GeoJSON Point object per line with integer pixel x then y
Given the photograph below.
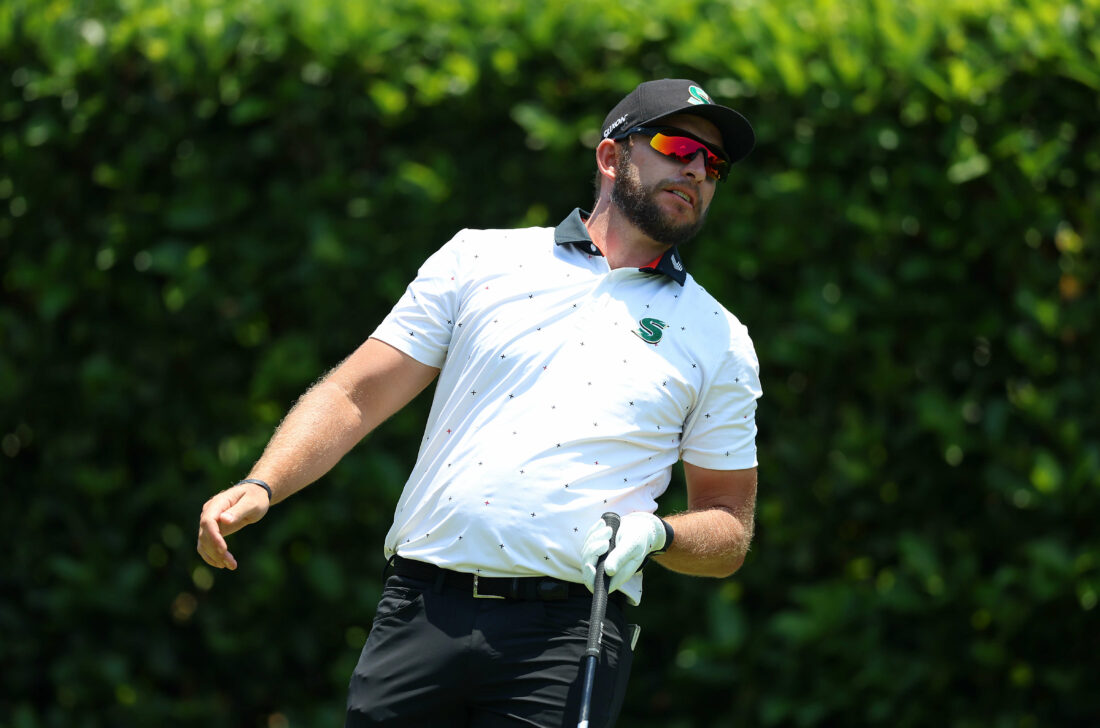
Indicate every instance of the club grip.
{"type": "Point", "coordinates": [599, 593]}
{"type": "Point", "coordinates": [612, 520]}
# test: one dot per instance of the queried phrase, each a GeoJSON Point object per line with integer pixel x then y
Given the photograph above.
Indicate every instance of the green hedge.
{"type": "Point", "coordinates": [205, 205]}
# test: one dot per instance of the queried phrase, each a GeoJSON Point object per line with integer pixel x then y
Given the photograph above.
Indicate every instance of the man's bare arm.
{"type": "Point", "coordinates": [327, 421]}
{"type": "Point", "coordinates": [712, 536]}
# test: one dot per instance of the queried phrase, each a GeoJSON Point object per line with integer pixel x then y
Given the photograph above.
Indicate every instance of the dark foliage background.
{"type": "Point", "coordinates": [205, 205]}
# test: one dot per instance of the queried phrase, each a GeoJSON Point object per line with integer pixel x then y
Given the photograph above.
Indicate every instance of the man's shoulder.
{"type": "Point", "coordinates": [505, 235]}
{"type": "Point", "coordinates": [714, 314]}
{"type": "Point", "coordinates": [502, 243]}
{"type": "Point", "coordinates": [703, 299]}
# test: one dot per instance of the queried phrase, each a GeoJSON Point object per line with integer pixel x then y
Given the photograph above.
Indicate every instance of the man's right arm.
{"type": "Point", "coordinates": [368, 387]}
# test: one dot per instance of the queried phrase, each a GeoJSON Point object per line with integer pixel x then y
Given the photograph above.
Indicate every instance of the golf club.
{"type": "Point", "coordinates": [595, 624]}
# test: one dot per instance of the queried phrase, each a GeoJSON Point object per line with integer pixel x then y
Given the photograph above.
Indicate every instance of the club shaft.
{"type": "Point", "coordinates": [595, 625]}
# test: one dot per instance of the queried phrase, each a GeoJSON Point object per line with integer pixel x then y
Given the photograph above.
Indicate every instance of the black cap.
{"type": "Point", "coordinates": [654, 100]}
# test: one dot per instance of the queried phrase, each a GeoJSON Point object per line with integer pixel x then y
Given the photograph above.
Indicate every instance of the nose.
{"type": "Point", "coordinates": [696, 166]}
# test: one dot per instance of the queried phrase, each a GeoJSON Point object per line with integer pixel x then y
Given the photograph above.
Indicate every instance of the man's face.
{"type": "Point", "coordinates": [650, 188]}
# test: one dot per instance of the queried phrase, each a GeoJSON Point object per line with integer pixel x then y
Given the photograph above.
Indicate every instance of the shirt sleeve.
{"type": "Point", "coordinates": [720, 433]}
{"type": "Point", "coordinates": [422, 321]}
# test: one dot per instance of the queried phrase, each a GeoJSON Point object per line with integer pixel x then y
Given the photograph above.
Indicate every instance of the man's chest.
{"type": "Point", "coordinates": [562, 339]}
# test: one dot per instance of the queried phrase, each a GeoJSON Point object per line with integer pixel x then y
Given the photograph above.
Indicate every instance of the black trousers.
{"type": "Point", "coordinates": [437, 657]}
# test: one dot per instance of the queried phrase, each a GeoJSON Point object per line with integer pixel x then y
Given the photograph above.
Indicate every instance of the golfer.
{"type": "Point", "coordinates": [575, 366]}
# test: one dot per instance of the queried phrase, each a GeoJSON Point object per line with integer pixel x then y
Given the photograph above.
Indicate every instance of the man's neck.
{"type": "Point", "coordinates": [623, 244]}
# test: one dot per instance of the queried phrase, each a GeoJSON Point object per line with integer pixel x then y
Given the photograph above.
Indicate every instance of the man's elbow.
{"type": "Point", "coordinates": [730, 566]}
{"type": "Point", "coordinates": [719, 567]}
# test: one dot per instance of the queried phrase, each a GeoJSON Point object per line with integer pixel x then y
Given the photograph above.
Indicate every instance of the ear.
{"type": "Point", "coordinates": [607, 159]}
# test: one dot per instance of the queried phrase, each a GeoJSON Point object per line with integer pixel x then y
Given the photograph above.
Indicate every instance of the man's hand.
{"type": "Point", "coordinates": [639, 535]}
{"type": "Point", "coordinates": [226, 513]}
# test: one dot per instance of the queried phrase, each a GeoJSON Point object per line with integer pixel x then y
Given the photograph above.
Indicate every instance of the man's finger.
{"type": "Point", "coordinates": [598, 539]}
{"type": "Point", "coordinates": [229, 523]}
{"type": "Point", "coordinates": [619, 580]}
{"type": "Point", "coordinates": [212, 529]}
{"type": "Point", "coordinates": [213, 549]}
{"type": "Point", "coordinates": [222, 560]}
{"type": "Point", "coordinates": [243, 512]}
{"type": "Point", "coordinates": [206, 554]}
{"type": "Point", "coordinates": [622, 564]}
{"type": "Point", "coordinates": [617, 559]}
{"type": "Point", "coordinates": [596, 544]}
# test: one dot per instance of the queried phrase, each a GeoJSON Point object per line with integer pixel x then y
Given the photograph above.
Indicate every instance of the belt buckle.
{"type": "Point", "coordinates": [483, 596]}
{"type": "Point", "coordinates": [552, 590]}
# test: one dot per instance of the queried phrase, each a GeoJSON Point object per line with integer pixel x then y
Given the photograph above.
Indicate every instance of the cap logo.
{"type": "Point", "coordinates": [614, 125]}
{"type": "Point", "coordinates": [698, 96]}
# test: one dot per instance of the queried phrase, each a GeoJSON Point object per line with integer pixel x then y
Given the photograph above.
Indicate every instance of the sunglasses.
{"type": "Point", "coordinates": [681, 146]}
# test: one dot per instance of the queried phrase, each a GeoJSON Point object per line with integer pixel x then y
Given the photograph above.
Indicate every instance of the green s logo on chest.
{"type": "Point", "coordinates": [650, 330]}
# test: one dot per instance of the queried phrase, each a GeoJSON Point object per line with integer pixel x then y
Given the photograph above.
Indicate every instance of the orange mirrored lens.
{"type": "Point", "coordinates": [684, 149]}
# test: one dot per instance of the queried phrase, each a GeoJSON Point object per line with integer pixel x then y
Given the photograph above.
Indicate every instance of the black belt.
{"type": "Point", "coordinates": [531, 588]}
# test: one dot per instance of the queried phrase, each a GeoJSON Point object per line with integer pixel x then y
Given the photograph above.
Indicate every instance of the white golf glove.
{"type": "Point", "coordinates": [639, 535]}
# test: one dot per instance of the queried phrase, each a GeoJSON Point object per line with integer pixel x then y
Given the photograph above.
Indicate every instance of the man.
{"type": "Point", "coordinates": [576, 366]}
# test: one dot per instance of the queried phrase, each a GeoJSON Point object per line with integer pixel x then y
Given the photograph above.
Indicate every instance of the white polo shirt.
{"type": "Point", "coordinates": [566, 390]}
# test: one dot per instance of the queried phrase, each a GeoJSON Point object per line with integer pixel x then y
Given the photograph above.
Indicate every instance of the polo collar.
{"type": "Point", "coordinates": [571, 231]}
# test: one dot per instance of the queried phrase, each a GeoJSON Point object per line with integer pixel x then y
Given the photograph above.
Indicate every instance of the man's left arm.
{"type": "Point", "coordinates": [712, 537]}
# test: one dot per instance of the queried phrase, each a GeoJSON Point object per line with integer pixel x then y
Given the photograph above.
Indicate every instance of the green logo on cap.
{"type": "Point", "coordinates": [698, 96]}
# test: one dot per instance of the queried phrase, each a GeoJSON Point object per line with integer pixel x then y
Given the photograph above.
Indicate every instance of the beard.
{"type": "Point", "coordinates": [639, 205]}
